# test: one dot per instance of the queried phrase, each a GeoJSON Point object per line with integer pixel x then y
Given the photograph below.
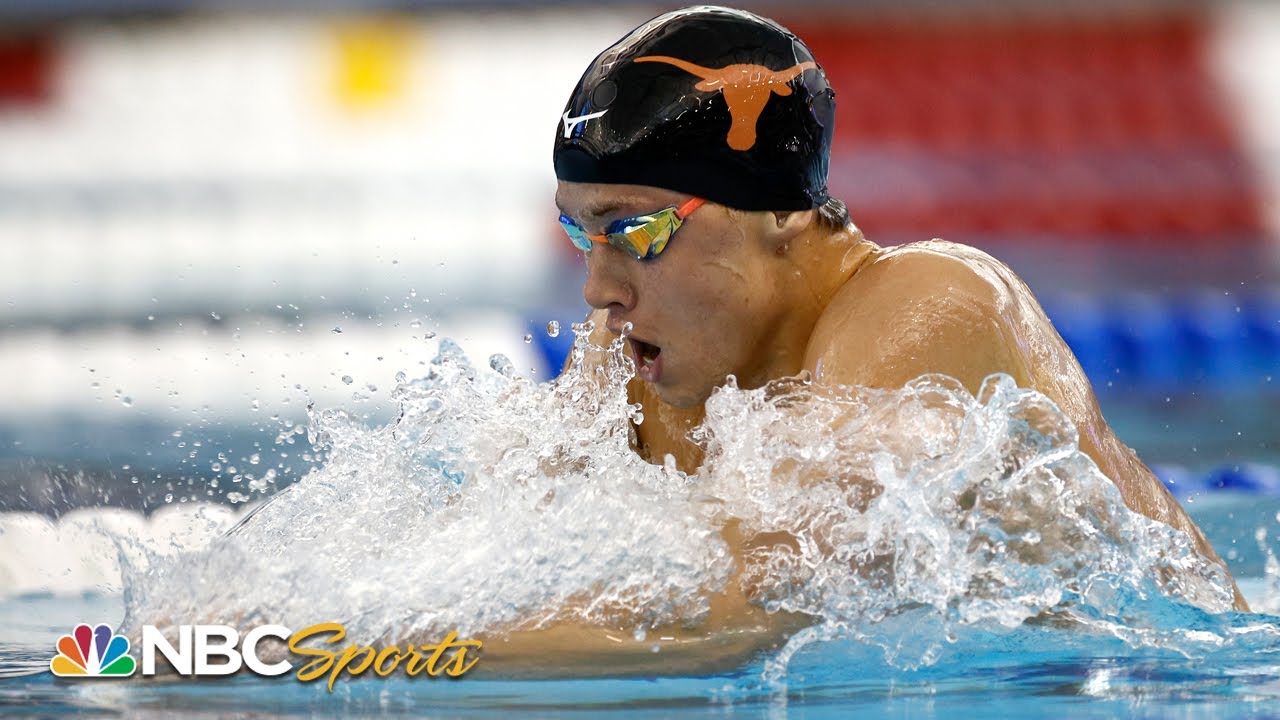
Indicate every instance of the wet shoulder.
{"type": "Point", "coordinates": [937, 262]}
{"type": "Point", "coordinates": [933, 306]}
{"type": "Point", "coordinates": [926, 271]}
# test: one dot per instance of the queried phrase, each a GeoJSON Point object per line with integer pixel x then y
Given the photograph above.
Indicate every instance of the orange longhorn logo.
{"type": "Point", "coordinates": [746, 89]}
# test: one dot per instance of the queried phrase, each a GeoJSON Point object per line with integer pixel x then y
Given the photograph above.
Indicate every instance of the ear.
{"type": "Point", "coordinates": [784, 226]}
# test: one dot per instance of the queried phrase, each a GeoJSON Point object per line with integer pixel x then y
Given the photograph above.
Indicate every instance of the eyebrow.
{"type": "Point", "coordinates": [594, 212]}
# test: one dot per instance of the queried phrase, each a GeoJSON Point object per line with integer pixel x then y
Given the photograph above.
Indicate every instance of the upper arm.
{"type": "Point", "coordinates": [912, 313]}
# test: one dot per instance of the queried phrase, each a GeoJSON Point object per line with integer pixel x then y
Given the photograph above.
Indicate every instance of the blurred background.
{"type": "Point", "coordinates": [214, 215]}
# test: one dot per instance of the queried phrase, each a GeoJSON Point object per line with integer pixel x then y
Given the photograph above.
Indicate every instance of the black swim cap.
{"type": "Point", "coordinates": [714, 102]}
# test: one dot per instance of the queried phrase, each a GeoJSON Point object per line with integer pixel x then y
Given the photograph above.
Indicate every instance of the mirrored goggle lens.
{"type": "Point", "coordinates": [577, 235]}
{"type": "Point", "coordinates": [646, 237]}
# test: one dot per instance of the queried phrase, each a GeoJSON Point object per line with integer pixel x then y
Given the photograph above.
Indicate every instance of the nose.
{"type": "Point", "coordinates": [608, 285]}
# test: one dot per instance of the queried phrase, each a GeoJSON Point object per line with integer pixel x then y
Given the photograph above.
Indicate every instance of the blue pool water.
{"type": "Point", "coordinates": [1092, 640]}
{"type": "Point", "coordinates": [1032, 672]}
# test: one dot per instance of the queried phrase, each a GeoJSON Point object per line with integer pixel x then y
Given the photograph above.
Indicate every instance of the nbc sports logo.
{"type": "Point", "coordinates": [93, 652]}
{"type": "Point", "coordinates": [90, 652]}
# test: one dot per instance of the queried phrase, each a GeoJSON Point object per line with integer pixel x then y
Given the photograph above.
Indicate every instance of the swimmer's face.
{"type": "Point", "coordinates": [707, 307]}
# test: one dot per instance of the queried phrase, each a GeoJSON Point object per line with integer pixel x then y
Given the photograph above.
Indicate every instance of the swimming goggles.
{"type": "Point", "coordinates": [643, 237]}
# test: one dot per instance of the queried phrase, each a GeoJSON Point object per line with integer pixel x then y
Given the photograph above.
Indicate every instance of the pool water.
{"type": "Point", "coordinates": [974, 620]}
{"type": "Point", "coordinates": [1032, 672]}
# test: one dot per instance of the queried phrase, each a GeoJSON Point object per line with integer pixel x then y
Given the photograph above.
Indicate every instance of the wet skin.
{"type": "Point", "coordinates": [764, 295]}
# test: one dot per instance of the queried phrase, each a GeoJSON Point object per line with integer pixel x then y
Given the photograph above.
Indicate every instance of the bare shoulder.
{"type": "Point", "coordinates": [932, 274]}
{"type": "Point", "coordinates": [929, 266]}
{"type": "Point", "coordinates": [933, 306]}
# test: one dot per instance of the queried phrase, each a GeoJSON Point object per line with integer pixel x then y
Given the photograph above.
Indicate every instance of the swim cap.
{"type": "Point", "coordinates": [714, 102]}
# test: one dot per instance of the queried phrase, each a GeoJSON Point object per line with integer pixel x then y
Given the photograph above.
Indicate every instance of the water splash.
{"type": "Point", "coordinates": [907, 519]}
{"type": "Point", "coordinates": [951, 510]}
{"type": "Point", "coordinates": [1270, 600]}
{"type": "Point", "coordinates": [491, 503]}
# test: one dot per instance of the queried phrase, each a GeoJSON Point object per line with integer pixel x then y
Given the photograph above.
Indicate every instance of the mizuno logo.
{"type": "Point", "coordinates": [571, 123]}
{"type": "Point", "coordinates": [746, 90]}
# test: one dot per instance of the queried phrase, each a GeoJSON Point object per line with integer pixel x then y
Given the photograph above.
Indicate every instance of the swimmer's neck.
{"type": "Point", "coordinates": [814, 267]}
{"type": "Point", "coordinates": [823, 261]}
{"type": "Point", "coordinates": [856, 248]}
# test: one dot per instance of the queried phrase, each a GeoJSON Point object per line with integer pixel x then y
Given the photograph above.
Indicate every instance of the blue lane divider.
{"type": "Point", "coordinates": [1163, 343]}
{"type": "Point", "coordinates": [1245, 478]}
{"type": "Point", "coordinates": [553, 350]}
{"type": "Point", "coordinates": [1262, 324]}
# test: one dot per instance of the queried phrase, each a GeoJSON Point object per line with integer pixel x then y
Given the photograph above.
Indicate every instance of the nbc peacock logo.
{"type": "Point", "coordinates": [92, 652]}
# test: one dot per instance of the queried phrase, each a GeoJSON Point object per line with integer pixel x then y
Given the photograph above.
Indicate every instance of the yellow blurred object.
{"type": "Point", "coordinates": [373, 62]}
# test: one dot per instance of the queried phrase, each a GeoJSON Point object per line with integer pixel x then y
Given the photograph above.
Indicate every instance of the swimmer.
{"type": "Point", "coordinates": [692, 163]}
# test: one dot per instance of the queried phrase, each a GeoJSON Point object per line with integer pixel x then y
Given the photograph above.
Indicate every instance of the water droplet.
{"type": "Point", "coordinates": [627, 327]}
{"type": "Point", "coordinates": [553, 329]}
{"type": "Point", "coordinates": [528, 339]}
{"type": "Point", "coordinates": [415, 324]}
{"type": "Point", "coordinates": [347, 379]}
{"type": "Point", "coordinates": [126, 401]}
{"type": "Point", "coordinates": [215, 316]}
{"type": "Point", "coordinates": [337, 330]}
{"type": "Point", "coordinates": [502, 364]}
{"type": "Point", "coordinates": [255, 458]}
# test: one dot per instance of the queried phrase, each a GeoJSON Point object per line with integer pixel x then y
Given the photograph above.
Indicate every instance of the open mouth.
{"type": "Point", "coordinates": [645, 352]}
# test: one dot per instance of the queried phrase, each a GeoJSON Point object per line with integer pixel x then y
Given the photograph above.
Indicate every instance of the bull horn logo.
{"type": "Point", "coordinates": [746, 90]}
